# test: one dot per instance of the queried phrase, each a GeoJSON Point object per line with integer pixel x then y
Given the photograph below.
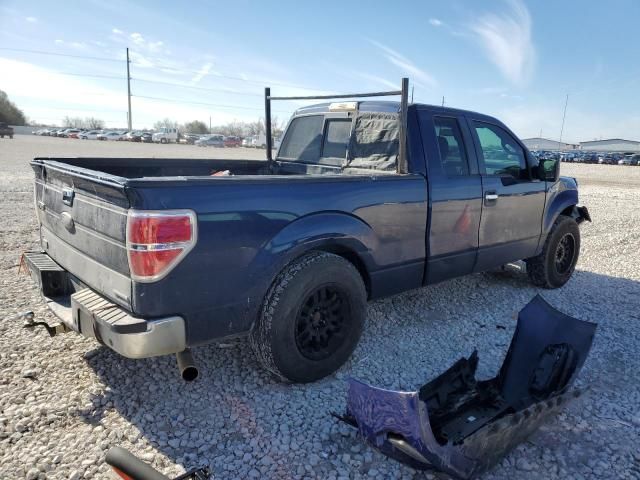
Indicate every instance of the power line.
{"type": "Point", "coordinates": [231, 77]}
{"type": "Point", "coordinates": [198, 88]}
{"type": "Point", "coordinates": [206, 104]}
{"type": "Point", "coordinates": [42, 52]}
{"type": "Point", "coordinates": [113, 77]}
{"type": "Point", "coordinates": [159, 67]}
{"type": "Point", "coordinates": [79, 109]}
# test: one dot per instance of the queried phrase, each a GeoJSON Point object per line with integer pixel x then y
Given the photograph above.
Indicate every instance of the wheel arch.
{"type": "Point", "coordinates": [338, 233]}
{"type": "Point", "coordinates": [564, 201]}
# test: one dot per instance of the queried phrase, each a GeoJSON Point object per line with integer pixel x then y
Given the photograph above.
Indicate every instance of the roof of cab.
{"type": "Point", "coordinates": [390, 107]}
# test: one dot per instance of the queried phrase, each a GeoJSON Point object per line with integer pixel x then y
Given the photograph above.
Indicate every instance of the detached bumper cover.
{"type": "Point", "coordinates": [90, 314]}
{"type": "Point", "coordinates": [463, 426]}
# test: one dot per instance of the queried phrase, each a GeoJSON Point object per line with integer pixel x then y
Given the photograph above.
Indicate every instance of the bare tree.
{"type": "Point", "coordinates": [165, 123]}
{"type": "Point", "coordinates": [195, 126]}
{"type": "Point", "coordinates": [72, 122]}
{"type": "Point", "coordinates": [93, 123]}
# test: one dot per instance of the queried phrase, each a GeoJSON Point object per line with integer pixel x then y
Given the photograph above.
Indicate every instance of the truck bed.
{"type": "Point", "coordinates": [248, 227]}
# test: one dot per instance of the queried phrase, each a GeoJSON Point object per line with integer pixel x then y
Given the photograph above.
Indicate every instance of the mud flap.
{"type": "Point", "coordinates": [463, 426]}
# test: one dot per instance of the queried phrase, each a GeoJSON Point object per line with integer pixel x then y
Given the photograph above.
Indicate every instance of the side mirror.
{"type": "Point", "coordinates": [549, 170]}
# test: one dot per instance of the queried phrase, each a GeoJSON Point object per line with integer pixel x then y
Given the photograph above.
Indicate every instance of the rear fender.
{"type": "Point", "coordinates": [330, 231]}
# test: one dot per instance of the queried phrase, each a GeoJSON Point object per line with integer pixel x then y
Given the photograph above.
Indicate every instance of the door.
{"type": "Point", "coordinates": [455, 193]}
{"type": "Point", "coordinates": [513, 201]}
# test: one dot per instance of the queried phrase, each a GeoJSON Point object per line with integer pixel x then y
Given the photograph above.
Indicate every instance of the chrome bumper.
{"type": "Point", "coordinates": [86, 312]}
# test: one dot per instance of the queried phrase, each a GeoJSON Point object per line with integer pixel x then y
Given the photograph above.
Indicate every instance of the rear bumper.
{"type": "Point", "coordinates": [88, 313]}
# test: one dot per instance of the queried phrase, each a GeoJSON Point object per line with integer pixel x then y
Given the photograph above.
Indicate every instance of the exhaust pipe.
{"type": "Point", "coordinates": [186, 365]}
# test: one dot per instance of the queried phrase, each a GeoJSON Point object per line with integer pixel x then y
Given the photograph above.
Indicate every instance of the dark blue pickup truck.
{"type": "Point", "coordinates": [153, 256]}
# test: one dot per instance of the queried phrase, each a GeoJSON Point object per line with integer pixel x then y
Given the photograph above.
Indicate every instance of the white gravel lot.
{"type": "Point", "coordinates": [65, 401]}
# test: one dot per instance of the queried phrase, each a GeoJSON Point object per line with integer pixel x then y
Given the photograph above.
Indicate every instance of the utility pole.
{"type": "Point", "coordinates": [209, 124]}
{"type": "Point", "coordinates": [563, 117]}
{"type": "Point", "coordinates": [128, 91]}
{"type": "Point", "coordinates": [443, 100]}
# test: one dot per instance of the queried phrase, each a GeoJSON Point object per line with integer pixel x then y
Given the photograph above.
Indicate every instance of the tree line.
{"type": "Point", "coordinates": [234, 128]}
{"type": "Point", "coordinates": [12, 115]}
{"type": "Point", "coordinates": [9, 112]}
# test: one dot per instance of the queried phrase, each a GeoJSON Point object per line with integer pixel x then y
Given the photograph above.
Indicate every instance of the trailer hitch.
{"type": "Point", "coordinates": [30, 322]}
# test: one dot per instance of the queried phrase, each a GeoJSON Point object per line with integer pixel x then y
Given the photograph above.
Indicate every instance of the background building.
{"type": "Point", "coordinates": [538, 143]}
{"type": "Point", "coordinates": [611, 145]}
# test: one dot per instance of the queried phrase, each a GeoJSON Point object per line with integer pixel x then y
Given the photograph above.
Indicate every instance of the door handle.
{"type": "Point", "coordinates": [490, 198]}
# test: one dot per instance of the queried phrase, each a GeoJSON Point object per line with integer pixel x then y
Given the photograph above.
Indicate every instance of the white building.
{"type": "Point", "coordinates": [538, 143]}
{"type": "Point", "coordinates": [611, 145]}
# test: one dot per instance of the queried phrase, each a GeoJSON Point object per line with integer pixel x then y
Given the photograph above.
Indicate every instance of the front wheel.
{"type": "Point", "coordinates": [311, 319]}
{"type": "Point", "coordinates": [553, 267]}
{"type": "Point", "coordinates": [163, 140]}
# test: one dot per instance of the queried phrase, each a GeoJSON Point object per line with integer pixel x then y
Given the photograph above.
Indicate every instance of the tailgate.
{"type": "Point", "coordinates": [83, 216]}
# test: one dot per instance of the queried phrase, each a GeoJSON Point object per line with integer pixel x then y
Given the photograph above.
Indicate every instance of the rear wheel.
{"type": "Point", "coordinates": [311, 319]}
{"type": "Point", "coordinates": [557, 261]}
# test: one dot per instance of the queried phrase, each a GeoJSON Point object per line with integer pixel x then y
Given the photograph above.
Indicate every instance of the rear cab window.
{"type": "Point", "coordinates": [336, 138]}
{"type": "Point", "coordinates": [354, 142]}
{"type": "Point", "coordinates": [453, 154]}
{"type": "Point", "coordinates": [303, 140]}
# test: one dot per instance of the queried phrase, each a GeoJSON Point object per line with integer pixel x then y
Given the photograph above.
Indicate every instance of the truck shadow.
{"type": "Point", "coordinates": [235, 411]}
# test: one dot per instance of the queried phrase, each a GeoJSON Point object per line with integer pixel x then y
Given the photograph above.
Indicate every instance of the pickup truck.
{"type": "Point", "coordinates": [166, 135]}
{"type": "Point", "coordinates": [5, 130]}
{"type": "Point", "coordinates": [153, 256]}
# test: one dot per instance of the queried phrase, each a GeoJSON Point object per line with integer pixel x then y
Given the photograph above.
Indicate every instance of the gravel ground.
{"type": "Point", "coordinates": [65, 401]}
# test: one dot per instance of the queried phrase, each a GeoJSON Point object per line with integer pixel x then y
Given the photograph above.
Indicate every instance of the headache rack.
{"type": "Point", "coordinates": [402, 128]}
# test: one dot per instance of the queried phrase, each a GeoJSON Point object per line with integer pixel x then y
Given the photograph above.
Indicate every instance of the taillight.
{"type": "Point", "coordinates": [157, 241]}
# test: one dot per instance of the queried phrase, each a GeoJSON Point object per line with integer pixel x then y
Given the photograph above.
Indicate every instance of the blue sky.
{"type": "Point", "coordinates": [513, 59]}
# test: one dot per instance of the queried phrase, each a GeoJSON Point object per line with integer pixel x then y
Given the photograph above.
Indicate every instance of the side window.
{"type": "Point", "coordinates": [336, 140]}
{"type": "Point", "coordinates": [501, 152]}
{"type": "Point", "coordinates": [453, 155]}
{"type": "Point", "coordinates": [303, 139]}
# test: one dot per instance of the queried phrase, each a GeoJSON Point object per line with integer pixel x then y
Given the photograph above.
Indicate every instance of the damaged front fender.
{"type": "Point", "coordinates": [463, 426]}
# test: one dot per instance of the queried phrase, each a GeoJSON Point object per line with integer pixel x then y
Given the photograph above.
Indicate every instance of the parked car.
{"type": "Point", "coordinates": [290, 251]}
{"type": "Point", "coordinates": [189, 138]}
{"type": "Point", "coordinates": [166, 135]}
{"type": "Point", "coordinates": [132, 136]}
{"type": "Point", "coordinates": [610, 159]}
{"type": "Point", "coordinates": [146, 137]}
{"type": "Point", "coordinates": [232, 141]}
{"type": "Point", "coordinates": [211, 141]}
{"type": "Point", "coordinates": [629, 160]}
{"type": "Point", "coordinates": [73, 133]}
{"type": "Point", "coordinates": [590, 158]}
{"type": "Point", "coordinates": [5, 130]}
{"type": "Point", "coordinates": [259, 141]}
{"type": "Point", "coordinates": [109, 136]}
{"type": "Point", "coordinates": [247, 142]}
{"type": "Point", "coordinates": [90, 135]}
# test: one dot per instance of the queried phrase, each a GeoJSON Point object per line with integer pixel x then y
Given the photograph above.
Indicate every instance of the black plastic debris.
{"type": "Point", "coordinates": [463, 426]}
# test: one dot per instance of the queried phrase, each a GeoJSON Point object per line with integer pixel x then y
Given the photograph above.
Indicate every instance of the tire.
{"type": "Point", "coordinates": [553, 267]}
{"type": "Point", "coordinates": [311, 319]}
{"type": "Point", "coordinates": [163, 140]}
